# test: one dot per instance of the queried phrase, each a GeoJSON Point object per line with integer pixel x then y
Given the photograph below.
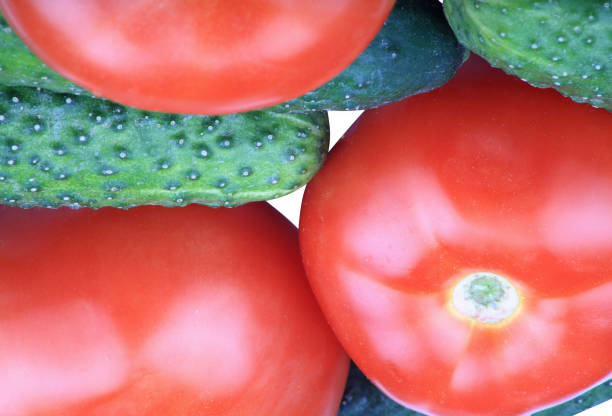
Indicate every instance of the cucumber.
{"type": "Point", "coordinates": [361, 397]}
{"type": "Point", "coordinates": [19, 67]}
{"type": "Point", "coordinates": [67, 150]}
{"type": "Point", "coordinates": [415, 51]}
{"type": "Point", "coordinates": [563, 44]}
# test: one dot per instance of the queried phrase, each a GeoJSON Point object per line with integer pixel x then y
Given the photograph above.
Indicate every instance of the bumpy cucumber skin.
{"type": "Point", "coordinates": [414, 52]}
{"type": "Point", "coordinates": [361, 397]}
{"type": "Point", "coordinates": [66, 150]}
{"type": "Point", "coordinates": [19, 67]}
{"type": "Point", "coordinates": [563, 44]}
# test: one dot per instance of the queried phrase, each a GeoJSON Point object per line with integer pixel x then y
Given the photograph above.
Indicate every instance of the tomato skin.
{"type": "Point", "coordinates": [485, 174]}
{"type": "Point", "coordinates": [157, 311]}
{"type": "Point", "coordinates": [197, 57]}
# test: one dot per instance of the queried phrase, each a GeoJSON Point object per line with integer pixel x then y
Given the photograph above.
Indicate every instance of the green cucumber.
{"type": "Point", "coordinates": [66, 150]}
{"type": "Point", "coordinates": [415, 51]}
{"type": "Point", "coordinates": [361, 397]}
{"type": "Point", "coordinates": [19, 67]}
{"type": "Point", "coordinates": [563, 44]}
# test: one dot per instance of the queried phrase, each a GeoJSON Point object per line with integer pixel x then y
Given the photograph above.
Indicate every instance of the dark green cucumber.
{"type": "Point", "coordinates": [19, 67]}
{"type": "Point", "coordinates": [361, 398]}
{"type": "Point", "coordinates": [415, 51]}
{"type": "Point", "coordinates": [66, 150]}
{"type": "Point", "coordinates": [563, 44]}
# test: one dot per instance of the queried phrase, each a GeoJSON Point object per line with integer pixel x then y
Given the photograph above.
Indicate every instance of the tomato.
{"type": "Point", "coordinates": [157, 311]}
{"type": "Point", "coordinates": [194, 56]}
{"type": "Point", "coordinates": [460, 243]}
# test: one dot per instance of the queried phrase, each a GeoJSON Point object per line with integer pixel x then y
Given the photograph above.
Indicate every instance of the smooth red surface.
{"type": "Point", "coordinates": [156, 311]}
{"type": "Point", "coordinates": [483, 174]}
{"type": "Point", "coordinates": [194, 56]}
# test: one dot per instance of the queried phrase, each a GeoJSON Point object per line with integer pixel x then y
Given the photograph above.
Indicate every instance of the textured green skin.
{"type": "Point", "coordinates": [362, 398]}
{"type": "Point", "coordinates": [66, 150]}
{"type": "Point", "coordinates": [563, 44]}
{"type": "Point", "coordinates": [415, 51]}
{"type": "Point", "coordinates": [19, 67]}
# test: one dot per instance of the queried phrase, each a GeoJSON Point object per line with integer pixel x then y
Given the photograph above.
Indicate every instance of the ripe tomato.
{"type": "Point", "coordinates": [460, 243]}
{"type": "Point", "coordinates": [157, 311]}
{"type": "Point", "coordinates": [197, 56]}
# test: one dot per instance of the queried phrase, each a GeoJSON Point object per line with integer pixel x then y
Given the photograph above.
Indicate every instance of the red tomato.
{"type": "Point", "coordinates": [460, 243]}
{"type": "Point", "coordinates": [197, 56]}
{"type": "Point", "coordinates": [157, 311]}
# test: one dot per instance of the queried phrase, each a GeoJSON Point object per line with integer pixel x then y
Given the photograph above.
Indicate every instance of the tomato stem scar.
{"type": "Point", "coordinates": [486, 290]}
{"type": "Point", "coordinates": [485, 297]}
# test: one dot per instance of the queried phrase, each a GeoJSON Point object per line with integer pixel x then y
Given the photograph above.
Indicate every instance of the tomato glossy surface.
{"type": "Point", "coordinates": [156, 311]}
{"type": "Point", "coordinates": [486, 174]}
{"type": "Point", "coordinates": [193, 56]}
